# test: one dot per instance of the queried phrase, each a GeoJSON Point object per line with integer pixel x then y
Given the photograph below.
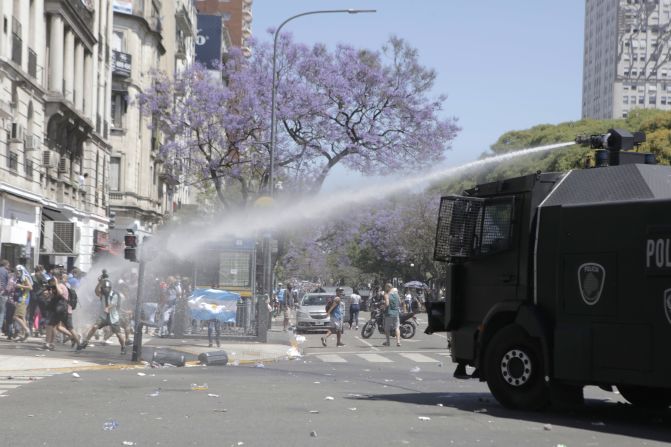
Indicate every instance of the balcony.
{"type": "Point", "coordinates": [121, 64]}
{"type": "Point", "coordinates": [183, 21]}
{"type": "Point", "coordinates": [84, 9]}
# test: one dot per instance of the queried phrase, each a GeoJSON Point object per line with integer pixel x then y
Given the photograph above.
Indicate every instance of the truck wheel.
{"type": "Point", "coordinates": [514, 370]}
{"type": "Point", "coordinates": [368, 329]}
{"type": "Point", "coordinates": [641, 396]}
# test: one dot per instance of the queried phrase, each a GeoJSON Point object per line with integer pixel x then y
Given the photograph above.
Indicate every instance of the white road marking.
{"type": "Point", "coordinates": [374, 358]}
{"type": "Point", "coordinates": [331, 358]}
{"type": "Point", "coordinates": [367, 343]}
{"type": "Point", "coordinates": [5, 386]}
{"type": "Point", "coordinates": [2, 392]}
{"type": "Point", "coordinates": [419, 358]}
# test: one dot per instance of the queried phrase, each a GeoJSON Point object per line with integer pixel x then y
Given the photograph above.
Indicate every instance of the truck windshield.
{"type": "Point", "coordinates": [493, 229]}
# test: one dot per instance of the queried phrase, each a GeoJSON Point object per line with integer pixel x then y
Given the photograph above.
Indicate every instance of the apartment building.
{"type": "Point", "coordinates": [54, 113]}
{"type": "Point", "coordinates": [236, 16]}
{"type": "Point", "coordinates": [148, 35]}
{"type": "Point", "coordinates": [627, 57]}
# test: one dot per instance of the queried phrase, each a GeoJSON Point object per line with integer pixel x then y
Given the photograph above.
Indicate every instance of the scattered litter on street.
{"type": "Point", "coordinates": [128, 443]}
{"type": "Point", "coordinates": [423, 418]}
{"type": "Point", "coordinates": [415, 370]}
{"type": "Point", "coordinates": [235, 362]}
{"type": "Point", "coordinates": [196, 387]}
{"type": "Point", "coordinates": [223, 410]}
{"type": "Point", "coordinates": [329, 398]}
{"type": "Point", "coordinates": [313, 434]}
{"type": "Point", "coordinates": [212, 395]}
{"type": "Point", "coordinates": [314, 411]}
{"type": "Point", "coordinates": [316, 382]}
{"type": "Point", "coordinates": [419, 379]}
{"type": "Point", "coordinates": [260, 365]}
{"type": "Point", "coordinates": [155, 393]}
{"type": "Point", "coordinates": [141, 374]}
{"type": "Point", "coordinates": [439, 405]}
{"type": "Point", "coordinates": [547, 427]}
{"type": "Point", "coordinates": [75, 361]}
{"type": "Point", "coordinates": [76, 375]}
{"type": "Point", "coordinates": [352, 409]}
{"type": "Point", "coordinates": [110, 425]}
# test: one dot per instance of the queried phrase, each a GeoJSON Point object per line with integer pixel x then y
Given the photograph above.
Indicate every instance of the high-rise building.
{"type": "Point", "coordinates": [627, 57]}
{"type": "Point", "coordinates": [236, 15]}
{"type": "Point", "coordinates": [54, 114]}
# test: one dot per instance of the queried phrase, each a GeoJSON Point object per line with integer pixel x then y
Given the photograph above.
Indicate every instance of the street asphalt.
{"type": "Point", "coordinates": [362, 393]}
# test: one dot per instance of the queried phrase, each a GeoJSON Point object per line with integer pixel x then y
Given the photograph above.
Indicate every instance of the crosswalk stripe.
{"type": "Point", "coordinates": [5, 386]}
{"type": "Point", "coordinates": [2, 392]}
{"type": "Point", "coordinates": [331, 358]}
{"type": "Point", "coordinates": [419, 358]}
{"type": "Point", "coordinates": [14, 381]}
{"type": "Point", "coordinates": [374, 358]}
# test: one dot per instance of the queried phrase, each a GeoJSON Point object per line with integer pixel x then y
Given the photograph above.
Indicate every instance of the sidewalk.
{"type": "Point", "coordinates": [29, 356]}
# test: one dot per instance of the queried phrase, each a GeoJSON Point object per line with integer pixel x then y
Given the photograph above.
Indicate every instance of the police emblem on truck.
{"type": "Point", "coordinates": [591, 277]}
{"type": "Point", "coordinates": [667, 304]}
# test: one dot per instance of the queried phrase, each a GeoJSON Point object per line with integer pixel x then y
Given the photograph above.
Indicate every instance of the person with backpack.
{"type": "Point", "coordinates": [72, 305]}
{"type": "Point", "coordinates": [334, 310]}
{"type": "Point", "coordinates": [24, 284]}
{"type": "Point", "coordinates": [392, 303]}
{"type": "Point", "coordinates": [57, 308]}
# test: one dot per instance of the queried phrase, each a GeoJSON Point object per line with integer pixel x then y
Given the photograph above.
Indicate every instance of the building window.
{"type": "Point", "coordinates": [115, 173]}
{"type": "Point", "coordinates": [29, 168]}
{"type": "Point", "coordinates": [13, 161]}
{"type": "Point", "coordinates": [652, 100]}
{"type": "Point", "coordinates": [625, 100]}
{"type": "Point", "coordinates": [641, 99]}
{"type": "Point", "coordinates": [118, 109]}
{"type": "Point", "coordinates": [118, 43]}
{"type": "Point", "coordinates": [662, 100]}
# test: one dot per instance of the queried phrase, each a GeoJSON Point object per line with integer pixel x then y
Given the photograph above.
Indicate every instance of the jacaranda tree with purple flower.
{"type": "Point", "coordinates": [369, 110]}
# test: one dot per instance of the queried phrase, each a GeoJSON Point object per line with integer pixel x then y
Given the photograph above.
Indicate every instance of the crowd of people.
{"type": "Point", "coordinates": [41, 304]}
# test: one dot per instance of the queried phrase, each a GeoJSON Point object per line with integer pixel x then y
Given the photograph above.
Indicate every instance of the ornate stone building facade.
{"type": "Point", "coordinates": [148, 35]}
{"type": "Point", "coordinates": [55, 86]}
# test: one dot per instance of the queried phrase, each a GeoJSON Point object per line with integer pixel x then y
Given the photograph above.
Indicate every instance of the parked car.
{"type": "Point", "coordinates": [311, 312]}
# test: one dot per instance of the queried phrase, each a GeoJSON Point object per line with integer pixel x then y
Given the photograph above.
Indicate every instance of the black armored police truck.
{"type": "Point", "coordinates": [560, 280]}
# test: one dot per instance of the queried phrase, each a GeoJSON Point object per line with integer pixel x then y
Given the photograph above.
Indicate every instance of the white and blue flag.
{"type": "Point", "coordinates": [213, 304]}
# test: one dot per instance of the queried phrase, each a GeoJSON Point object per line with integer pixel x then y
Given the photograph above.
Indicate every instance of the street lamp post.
{"type": "Point", "coordinates": [273, 130]}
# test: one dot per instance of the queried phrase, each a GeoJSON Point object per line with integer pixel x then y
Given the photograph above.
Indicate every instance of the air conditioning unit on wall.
{"type": "Point", "coordinates": [63, 165]}
{"type": "Point", "coordinates": [49, 159]}
{"type": "Point", "coordinates": [32, 142]}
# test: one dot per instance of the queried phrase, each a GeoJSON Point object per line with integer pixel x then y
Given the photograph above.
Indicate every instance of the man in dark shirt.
{"type": "Point", "coordinates": [4, 280]}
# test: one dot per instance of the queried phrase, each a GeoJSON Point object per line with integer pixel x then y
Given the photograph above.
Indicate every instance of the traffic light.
{"type": "Point", "coordinates": [112, 218]}
{"type": "Point", "coordinates": [130, 240]}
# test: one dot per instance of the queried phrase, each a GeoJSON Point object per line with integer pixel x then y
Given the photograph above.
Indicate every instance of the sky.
{"type": "Point", "coordinates": [504, 65]}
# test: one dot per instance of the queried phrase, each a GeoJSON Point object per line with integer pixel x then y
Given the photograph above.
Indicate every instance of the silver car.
{"type": "Point", "coordinates": [311, 313]}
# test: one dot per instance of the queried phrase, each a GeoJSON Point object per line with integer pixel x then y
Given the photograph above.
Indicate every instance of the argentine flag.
{"type": "Point", "coordinates": [213, 304]}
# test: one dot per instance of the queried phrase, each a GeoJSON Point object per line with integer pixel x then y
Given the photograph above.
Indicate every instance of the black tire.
{"type": "Point", "coordinates": [368, 329]}
{"type": "Point", "coordinates": [407, 330]}
{"type": "Point", "coordinates": [645, 397]}
{"type": "Point", "coordinates": [514, 370]}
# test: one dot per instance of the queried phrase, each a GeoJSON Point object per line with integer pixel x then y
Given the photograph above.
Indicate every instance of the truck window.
{"type": "Point", "coordinates": [494, 226]}
{"type": "Point", "coordinates": [471, 226]}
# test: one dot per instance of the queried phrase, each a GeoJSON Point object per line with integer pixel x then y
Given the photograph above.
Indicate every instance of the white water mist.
{"type": "Point", "coordinates": [188, 240]}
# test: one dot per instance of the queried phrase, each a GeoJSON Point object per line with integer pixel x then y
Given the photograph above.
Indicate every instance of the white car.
{"type": "Point", "coordinates": [311, 312]}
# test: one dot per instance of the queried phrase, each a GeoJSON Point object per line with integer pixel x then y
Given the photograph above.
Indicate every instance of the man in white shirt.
{"type": "Point", "coordinates": [354, 307]}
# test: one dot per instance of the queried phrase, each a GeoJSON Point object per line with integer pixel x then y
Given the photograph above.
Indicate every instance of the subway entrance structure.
{"type": "Point", "coordinates": [561, 280]}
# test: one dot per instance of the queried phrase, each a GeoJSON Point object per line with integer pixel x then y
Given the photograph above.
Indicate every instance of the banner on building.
{"type": "Point", "coordinates": [124, 6]}
{"type": "Point", "coordinates": [208, 40]}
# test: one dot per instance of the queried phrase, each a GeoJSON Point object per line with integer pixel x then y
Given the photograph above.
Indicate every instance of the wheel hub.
{"type": "Point", "coordinates": [516, 367]}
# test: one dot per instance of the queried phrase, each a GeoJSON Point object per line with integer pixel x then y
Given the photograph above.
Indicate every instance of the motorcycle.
{"type": "Point", "coordinates": [408, 324]}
